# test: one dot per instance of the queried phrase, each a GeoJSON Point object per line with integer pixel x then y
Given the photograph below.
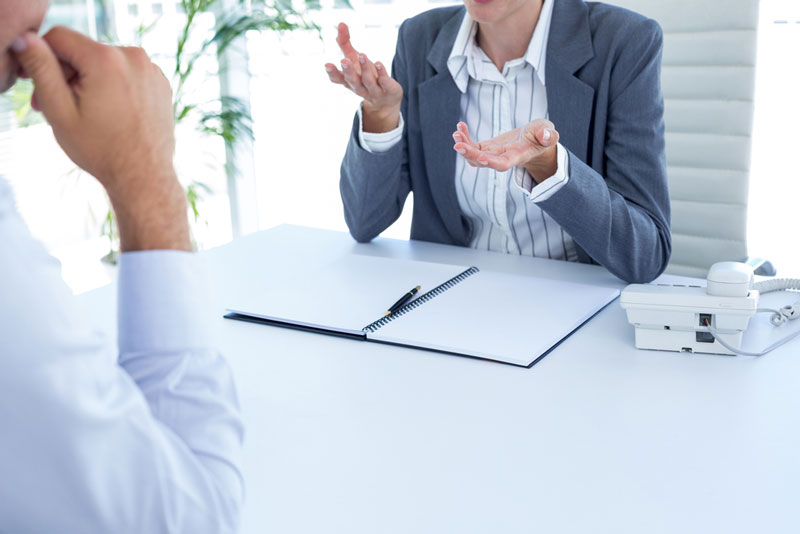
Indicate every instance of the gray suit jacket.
{"type": "Point", "coordinates": [604, 97]}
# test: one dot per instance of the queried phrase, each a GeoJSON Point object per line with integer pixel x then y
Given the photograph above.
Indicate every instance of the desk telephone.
{"type": "Point", "coordinates": [711, 319]}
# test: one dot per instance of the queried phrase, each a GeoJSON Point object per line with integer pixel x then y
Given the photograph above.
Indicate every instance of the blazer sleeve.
{"type": "Point", "coordinates": [374, 186]}
{"type": "Point", "coordinates": [622, 219]}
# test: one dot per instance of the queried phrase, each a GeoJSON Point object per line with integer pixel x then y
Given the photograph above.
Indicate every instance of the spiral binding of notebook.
{"type": "Point", "coordinates": [416, 303]}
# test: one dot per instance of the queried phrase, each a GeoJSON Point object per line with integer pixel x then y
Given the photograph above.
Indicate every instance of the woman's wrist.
{"type": "Point", "coordinates": [544, 165]}
{"type": "Point", "coordinates": [379, 120]}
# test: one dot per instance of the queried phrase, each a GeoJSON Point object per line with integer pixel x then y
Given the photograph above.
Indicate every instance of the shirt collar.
{"type": "Point", "coordinates": [465, 59]}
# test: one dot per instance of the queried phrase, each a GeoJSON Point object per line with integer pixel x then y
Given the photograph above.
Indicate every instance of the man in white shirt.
{"type": "Point", "coordinates": [145, 437]}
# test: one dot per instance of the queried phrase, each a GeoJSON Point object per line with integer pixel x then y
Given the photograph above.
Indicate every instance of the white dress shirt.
{"type": "Point", "coordinates": [501, 205]}
{"type": "Point", "coordinates": [143, 437]}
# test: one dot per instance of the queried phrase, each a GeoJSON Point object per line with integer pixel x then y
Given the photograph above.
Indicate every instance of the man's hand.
{"type": "Point", "coordinates": [533, 146]}
{"type": "Point", "coordinates": [111, 111]}
{"type": "Point", "coordinates": [381, 93]}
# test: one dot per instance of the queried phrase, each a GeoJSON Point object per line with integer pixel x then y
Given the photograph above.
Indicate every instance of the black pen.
{"type": "Point", "coordinates": [400, 303]}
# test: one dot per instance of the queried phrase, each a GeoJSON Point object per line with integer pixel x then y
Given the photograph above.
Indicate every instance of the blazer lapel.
{"type": "Point", "coordinates": [439, 107]}
{"type": "Point", "coordinates": [570, 101]}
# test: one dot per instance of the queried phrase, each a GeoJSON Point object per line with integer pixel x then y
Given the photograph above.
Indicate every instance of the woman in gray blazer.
{"type": "Point", "coordinates": [565, 97]}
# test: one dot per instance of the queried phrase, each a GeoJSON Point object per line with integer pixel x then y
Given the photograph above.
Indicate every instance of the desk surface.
{"type": "Point", "coordinates": [598, 437]}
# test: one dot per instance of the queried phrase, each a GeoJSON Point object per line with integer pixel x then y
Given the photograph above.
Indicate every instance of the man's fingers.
{"type": "Point", "coordinates": [53, 94]}
{"type": "Point", "coordinates": [73, 48]}
{"type": "Point", "coordinates": [70, 75]}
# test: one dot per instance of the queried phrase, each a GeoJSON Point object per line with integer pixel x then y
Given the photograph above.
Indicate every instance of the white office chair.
{"type": "Point", "coordinates": [708, 79]}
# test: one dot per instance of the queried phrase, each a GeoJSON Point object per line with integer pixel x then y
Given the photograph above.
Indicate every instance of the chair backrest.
{"type": "Point", "coordinates": [708, 79]}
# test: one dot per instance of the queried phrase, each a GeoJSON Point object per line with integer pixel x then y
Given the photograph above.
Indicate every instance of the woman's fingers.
{"type": "Point", "coordinates": [548, 136]}
{"type": "Point", "coordinates": [461, 135]}
{"type": "Point", "coordinates": [501, 159]}
{"type": "Point", "coordinates": [463, 129]}
{"type": "Point", "coordinates": [496, 144]}
{"type": "Point", "coordinates": [369, 77]}
{"type": "Point", "coordinates": [484, 147]}
{"type": "Point", "coordinates": [498, 163]}
{"type": "Point", "coordinates": [343, 40]}
{"type": "Point", "coordinates": [369, 84]}
{"type": "Point", "coordinates": [511, 149]}
{"type": "Point", "coordinates": [369, 80]}
{"type": "Point", "coordinates": [353, 78]}
{"type": "Point", "coordinates": [458, 137]}
{"type": "Point", "coordinates": [473, 155]}
{"type": "Point", "coordinates": [387, 83]}
{"type": "Point", "coordinates": [462, 150]}
{"type": "Point", "coordinates": [334, 74]}
{"type": "Point", "coordinates": [541, 132]}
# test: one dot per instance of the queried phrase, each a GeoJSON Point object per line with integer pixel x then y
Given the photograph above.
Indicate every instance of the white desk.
{"type": "Point", "coordinates": [598, 437]}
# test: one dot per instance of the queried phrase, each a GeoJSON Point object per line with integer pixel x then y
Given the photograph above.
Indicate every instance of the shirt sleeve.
{"type": "Point", "coordinates": [140, 437]}
{"type": "Point", "coordinates": [379, 142]}
{"type": "Point", "coordinates": [549, 187]}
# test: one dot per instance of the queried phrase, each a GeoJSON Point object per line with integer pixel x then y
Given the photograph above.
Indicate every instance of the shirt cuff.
{"type": "Point", "coordinates": [549, 187]}
{"type": "Point", "coordinates": [162, 302]}
{"type": "Point", "coordinates": [379, 142]}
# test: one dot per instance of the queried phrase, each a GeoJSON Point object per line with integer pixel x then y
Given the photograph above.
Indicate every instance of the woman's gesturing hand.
{"type": "Point", "coordinates": [533, 146]}
{"type": "Point", "coordinates": [381, 93]}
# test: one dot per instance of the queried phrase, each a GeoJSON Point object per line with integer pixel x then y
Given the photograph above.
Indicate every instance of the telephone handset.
{"type": "Point", "coordinates": [711, 319]}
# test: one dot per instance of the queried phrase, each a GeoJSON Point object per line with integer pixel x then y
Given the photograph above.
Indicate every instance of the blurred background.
{"type": "Point", "coordinates": [230, 59]}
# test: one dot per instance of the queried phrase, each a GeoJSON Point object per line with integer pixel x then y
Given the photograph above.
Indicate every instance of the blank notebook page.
{"type": "Point", "coordinates": [502, 317]}
{"type": "Point", "coordinates": [344, 295]}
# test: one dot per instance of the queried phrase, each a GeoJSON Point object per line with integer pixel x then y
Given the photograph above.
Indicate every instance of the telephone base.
{"type": "Point", "coordinates": [676, 317]}
{"type": "Point", "coordinates": [684, 341]}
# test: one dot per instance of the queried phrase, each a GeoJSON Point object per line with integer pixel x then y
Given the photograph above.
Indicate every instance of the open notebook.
{"type": "Point", "coordinates": [460, 310]}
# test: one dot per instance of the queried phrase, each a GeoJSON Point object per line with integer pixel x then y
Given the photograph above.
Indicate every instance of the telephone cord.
{"type": "Point", "coordinates": [776, 313]}
{"type": "Point", "coordinates": [777, 284]}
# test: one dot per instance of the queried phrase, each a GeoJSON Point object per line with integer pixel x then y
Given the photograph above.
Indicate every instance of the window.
{"type": "Point", "coordinates": [774, 178]}
{"type": "Point", "coordinates": [303, 122]}
{"type": "Point", "coordinates": [63, 208]}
